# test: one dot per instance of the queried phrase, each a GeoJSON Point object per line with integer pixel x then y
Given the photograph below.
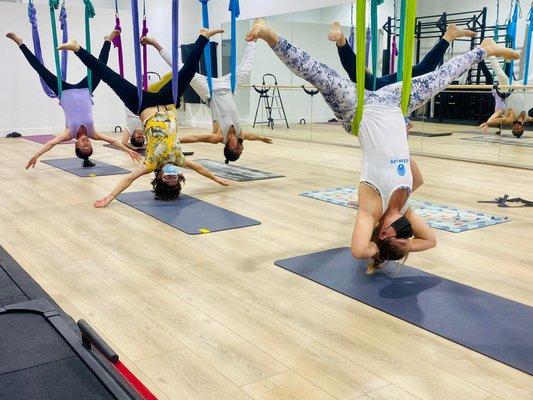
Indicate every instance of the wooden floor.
{"type": "Point", "coordinates": [211, 317]}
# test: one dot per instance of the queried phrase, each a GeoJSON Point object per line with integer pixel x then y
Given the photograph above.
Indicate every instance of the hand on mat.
{"type": "Point", "coordinates": [32, 162]}
{"type": "Point", "coordinates": [104, 202]}
{"type": "Point", "coordinates": [136, 156]}
{"type": "Point", "coordinates": [266, 140]}
{"type": "Point", "coordinates": [223, 182]}
{"type": "Point", "coordinates": [484, 126]}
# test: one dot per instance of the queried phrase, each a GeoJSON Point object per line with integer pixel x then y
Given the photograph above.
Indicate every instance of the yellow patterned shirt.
{"type": "Point", "coordinates": [161, 134]}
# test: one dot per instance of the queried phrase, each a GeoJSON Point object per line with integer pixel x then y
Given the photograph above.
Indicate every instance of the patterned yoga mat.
{"type": "Point", "coordinates": [437, 216]}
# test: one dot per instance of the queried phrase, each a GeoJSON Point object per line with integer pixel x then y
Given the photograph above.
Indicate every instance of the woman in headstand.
{"type": "Point", "coordinates": [226, 127]}
{"type": "Point", "coordinates": [385, 228]}
{"type": "Point", "coordinates": [158, 113]}
{"type": "Point", "coordinates": [77, 103]}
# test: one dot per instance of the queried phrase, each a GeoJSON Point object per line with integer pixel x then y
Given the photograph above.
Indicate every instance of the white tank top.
{"type": "Point", "coordinates": [385, 160]}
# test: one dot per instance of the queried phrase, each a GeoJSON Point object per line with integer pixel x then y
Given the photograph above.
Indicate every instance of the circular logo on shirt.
{"type": "Point", "coordinates": [401, 169]}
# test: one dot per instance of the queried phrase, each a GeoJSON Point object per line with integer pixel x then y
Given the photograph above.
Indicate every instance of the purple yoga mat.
{"type": "Point", "coordinates": [44, 138]}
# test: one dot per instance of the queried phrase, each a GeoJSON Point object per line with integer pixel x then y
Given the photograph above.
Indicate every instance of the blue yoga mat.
{"type": "Point", "coordinates": [491, 325]}
{"type": "Point", "coordinates": [187, 213]}
{"type": "Point", "coordinates": [74, 166]}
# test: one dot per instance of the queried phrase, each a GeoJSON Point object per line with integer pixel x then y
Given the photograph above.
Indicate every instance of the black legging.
{"type": "Point", "coordinates": [128, 92]}
{"type": "Point", "coordinates": [429, 63]}
{"type": "Point", "coordinates": [51, 80]}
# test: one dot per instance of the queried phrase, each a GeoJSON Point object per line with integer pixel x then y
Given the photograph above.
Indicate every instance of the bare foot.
{"type": "Point", "coordinates": [260, 30]}
{"type": "Point", "coordinates": [210, 32]}
{"type": "Point", "coordinates": [453, 32]}
{"type": "Point", "coordinates": [336, 35]}
{"type": "Point", "coordinates": [494, 49]}
{"type": "Point", "coordinates": [114, 33]}
{"type": "Point", "coordinates": [71, 45]}
{"type": "Point", "coordinates": [13, 36]}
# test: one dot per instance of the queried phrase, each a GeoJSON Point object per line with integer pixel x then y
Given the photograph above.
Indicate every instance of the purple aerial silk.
{"type": "Point", "coordinates": [64, 38]}
{"type": "Point", "coordinates": [32, 15]}
{"type": "Point", "coordinates": [393, 54]}
{"type": "Point", "coordinates": [137, 50]}
{"type": "Point", "coordinates": [368, 41]}
{"type": "Point", "coordinates": [145, 55]}
{"type": "Point", "coordinates": [117, 43]}
{"type": "Point", "coordinates": [175, 45]}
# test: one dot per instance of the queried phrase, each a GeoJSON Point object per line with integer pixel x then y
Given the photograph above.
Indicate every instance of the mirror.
{"type": "Point", "coordinates": [447, 126]}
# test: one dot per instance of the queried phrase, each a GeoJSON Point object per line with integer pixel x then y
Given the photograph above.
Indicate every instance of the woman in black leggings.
{"type": "Point", "coordinates": [428, 64]}
{"type": "Point", "coordinates": [158, 113]}
{"type": "Point", "coordinates": [77, 104]}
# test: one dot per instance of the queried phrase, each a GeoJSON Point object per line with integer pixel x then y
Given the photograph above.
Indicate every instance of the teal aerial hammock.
{"type": "Point", "coordinates": [89, 13]}
{"type": "Point", "coordinates": [528, 44]}
{"type": "Point", "coordinates": [53, 5]}
{"type": "Point", "coordinates": [510, 37]}
{"type": "Point", "coordinates": [235, 12]}
{"type": "Point", "coordinates": [405, 60]}
{"type": "Point", "coordinates": [207, 50]}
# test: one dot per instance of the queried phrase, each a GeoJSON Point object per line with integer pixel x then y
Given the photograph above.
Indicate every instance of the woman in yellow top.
{"type": "Point", "coordinates": [163, 156]}
{"type": "Point", "coordinates": [158, 114]}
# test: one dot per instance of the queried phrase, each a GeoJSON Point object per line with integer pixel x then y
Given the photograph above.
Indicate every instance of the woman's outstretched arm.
{"type": "Point", "coordinates": [122, 185]}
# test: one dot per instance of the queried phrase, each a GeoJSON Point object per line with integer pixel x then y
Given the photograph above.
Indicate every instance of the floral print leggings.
{"type": "Point", "coordinates": [341, 94]}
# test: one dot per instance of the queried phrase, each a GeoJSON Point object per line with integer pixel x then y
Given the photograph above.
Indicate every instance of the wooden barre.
{"type": "Point", "coordinates": [454, 87]}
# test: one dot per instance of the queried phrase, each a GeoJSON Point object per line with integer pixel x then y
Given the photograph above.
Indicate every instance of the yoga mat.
{"type": "Point", "coordinates": [142, 152]}
{"type": "Point", "coordinates": [429, 134]}
{"type": "Point", "coordinates": [491, 325]}
{"type": "Point", "coordinates": [437, 216]}
{"type": "Point", "coordinates": [236, 172]}
{"type": "Point", "coordinates": [188, 214]}
{"type": "Point", "coordinates": [525, 142]}
{"type": "Point", "coordinates": [44, 138]}
{"type": "Point", "coordinates": [74, 166]}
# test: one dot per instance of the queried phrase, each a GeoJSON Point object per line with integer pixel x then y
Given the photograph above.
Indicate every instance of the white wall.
{"type": "Point", "coordinates": [21, 92]}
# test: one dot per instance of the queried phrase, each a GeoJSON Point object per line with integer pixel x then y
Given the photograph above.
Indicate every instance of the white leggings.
{"type": "Point", "coordinates": [341, 94]}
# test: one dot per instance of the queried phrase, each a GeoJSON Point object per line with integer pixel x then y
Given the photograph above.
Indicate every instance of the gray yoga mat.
{"type": "Point", "coordinates": [74, 166]}
{"type": "Point", "coordinates": [188, 214]}
{"type": "Point", "coordinates": [525, 142]}
{"type": "Point", "coordinates": [488, 324]}
{"type": "Point", "coordinates": [42, 139]}
{"type": "Point", "coordinates": [236, 172]}
{"type": "Point", "coordinates": [429, 134]}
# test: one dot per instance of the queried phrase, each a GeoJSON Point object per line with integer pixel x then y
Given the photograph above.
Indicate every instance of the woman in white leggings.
{"type": "Point", "coordinates": [385, 228]}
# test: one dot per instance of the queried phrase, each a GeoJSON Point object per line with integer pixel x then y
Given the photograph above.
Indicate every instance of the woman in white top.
{"type": "Point", "coordinates": [385, 228]}
{"type": "Point", "coordinates": [133, 135]}
{"type": "Point", "coordinates": [513, 108]}
{"type": "Point", "coordinates": [226, 127]}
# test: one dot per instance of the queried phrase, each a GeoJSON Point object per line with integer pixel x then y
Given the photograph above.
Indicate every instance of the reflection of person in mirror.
{"type": "Point", "coordinates": [510, 107]}
{"type": "Point", "coordinates": [221, 101]}
{"type": "Point", "coordinates": [385, 227]}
